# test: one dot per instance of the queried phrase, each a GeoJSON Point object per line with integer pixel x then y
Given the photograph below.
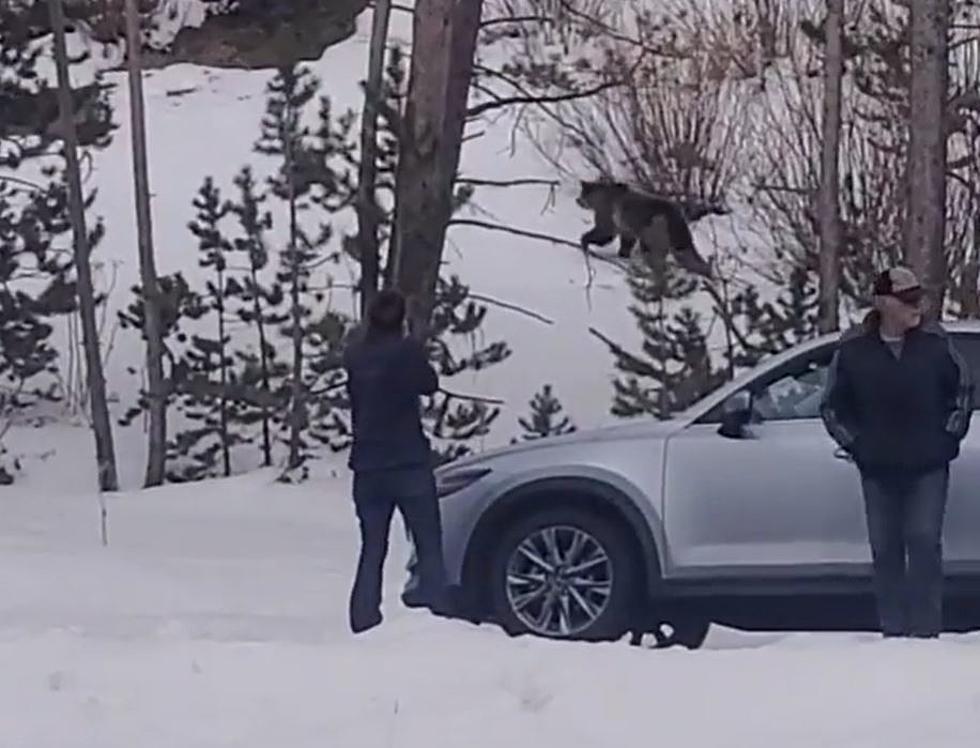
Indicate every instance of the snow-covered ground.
{"type": "Point", "coordinates": [216, 618]}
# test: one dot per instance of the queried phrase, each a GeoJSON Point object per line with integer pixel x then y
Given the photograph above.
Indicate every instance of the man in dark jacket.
{"type": "Point", "coordinates": [391, 458]}
{"type": "Point", "coordinates": [898, 399]}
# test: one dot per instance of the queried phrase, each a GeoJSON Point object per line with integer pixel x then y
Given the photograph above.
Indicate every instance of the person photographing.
{"type": "Point", "coordinates": [387, 373]}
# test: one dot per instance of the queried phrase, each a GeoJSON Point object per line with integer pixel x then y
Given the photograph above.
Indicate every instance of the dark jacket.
{"type": "Point", "coordinates": [385, 377]}
{"type": "Point", "coordinates": [905, 414]}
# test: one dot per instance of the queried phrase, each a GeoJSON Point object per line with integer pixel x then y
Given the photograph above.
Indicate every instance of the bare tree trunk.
{"type": "Point", "coordinates": [105, 452]}
{"type": "Point", "coordinates": [264, 363]}
{"type": "Point", "coordinates": [367, 205]}
{"type": "Point", "coordinates": [830, 224]}
{"type": "Point", "coordinates": [225, 447]}
{"type": "Point", "coordinates": [444, 42]}
{"type": "Point", "coordinates": [296, 415]}
{"type": "Point", "coordinates": [926, 171]}
{"type": "Point", "coordinates": [766, 14]}
{"type": "Point", "coordinates": [157, 454]}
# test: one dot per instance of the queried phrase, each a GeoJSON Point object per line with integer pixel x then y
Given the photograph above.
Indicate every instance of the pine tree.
{"type": "Point", "coordinates": [310, 175]}
{"type": "Point", "coordinates": [547, 417]}
{"type": "Point", "coordinates": [284, 136]}
{"type": "Point", "coordinates": [210, 356]}
{"type": "Point", "coordinates": [674, 367]}
{"type": "Point", "coordinates": [259, 309]}
{"type": "Point", "coordinates": [180, 306]}
{"type": "Point", "coordinates": [768, 327]}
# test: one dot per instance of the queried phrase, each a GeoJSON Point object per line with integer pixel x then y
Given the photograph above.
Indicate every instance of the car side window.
{"type": "Point", "coordinates": [794, 392]}
{"type": "Point", "coordinates": [968, 346]}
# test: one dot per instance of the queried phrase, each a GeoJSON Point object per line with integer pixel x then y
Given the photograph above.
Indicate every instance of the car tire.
{"type": "Point", "coordinates": [605, 538]}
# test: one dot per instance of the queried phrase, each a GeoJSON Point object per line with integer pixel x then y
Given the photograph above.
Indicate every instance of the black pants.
{"type": "Point", "coordinates": [376, 495]}
{"type": "Point", "coordinates": [905, 521]}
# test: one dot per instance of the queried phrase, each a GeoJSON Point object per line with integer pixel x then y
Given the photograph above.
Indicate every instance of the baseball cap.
{"type": "Point", "coordinates": [900, 282]}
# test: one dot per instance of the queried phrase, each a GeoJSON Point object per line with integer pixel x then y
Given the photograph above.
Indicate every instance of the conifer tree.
{"type": "Point", "coordinates": [547, 416]}
{"type": "Point", "coordinates": [310, 175]}
{"type": "Point", "coordinates": [674, 367]}
{"type": "Point", "coordinates": [286, 137]}
{"type": "Point", "coordinates": [259, 308]}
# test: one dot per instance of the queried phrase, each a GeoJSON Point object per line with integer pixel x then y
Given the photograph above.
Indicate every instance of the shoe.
{"type": "Point", "coordinates": [359, 625]}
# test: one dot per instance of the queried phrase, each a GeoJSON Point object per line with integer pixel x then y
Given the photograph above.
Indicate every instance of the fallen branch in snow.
{"type": "Point", "coordinates": [512, 307]}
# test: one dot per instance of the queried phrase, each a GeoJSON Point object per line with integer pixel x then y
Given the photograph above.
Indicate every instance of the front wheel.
{"type": "Point", "coordinates": [564, 574]}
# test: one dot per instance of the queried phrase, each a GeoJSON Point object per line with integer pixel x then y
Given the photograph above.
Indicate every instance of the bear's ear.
{"type": "Point", "coordinates": [589, 186]}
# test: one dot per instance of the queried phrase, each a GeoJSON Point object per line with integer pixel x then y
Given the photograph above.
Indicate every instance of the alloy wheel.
{"type": "Point", "coordinates": [559, 581]}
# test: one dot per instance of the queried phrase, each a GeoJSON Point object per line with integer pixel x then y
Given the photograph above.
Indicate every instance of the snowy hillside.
{"type": "Point", "coordinates": [204, 122]}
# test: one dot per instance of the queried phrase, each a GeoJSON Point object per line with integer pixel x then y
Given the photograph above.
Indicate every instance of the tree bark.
{"type": "Point", "coordinates": [105, 453]}
{"type": "Point", "coordinates": [152, 331]}
{"type": "Point", "coordinates": [830, 223]}
{"type": "Point", "coordinates": [444, 42]}
{"type": "Point", "coordinates": [225, 446]}
{"type": "Point", "coordinates": [297, 405]}
{"type": "Point", "coordinates": [926, 170]}
{"type": "Point", "coordinates": [368, 214]}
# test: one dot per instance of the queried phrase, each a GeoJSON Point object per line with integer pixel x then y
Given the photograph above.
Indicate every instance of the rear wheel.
{"type": "Point", "coordinates": [565, 574]}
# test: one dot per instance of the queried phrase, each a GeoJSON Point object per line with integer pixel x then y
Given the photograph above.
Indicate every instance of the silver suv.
{"type": "Point", "coordinates": [743, 496]}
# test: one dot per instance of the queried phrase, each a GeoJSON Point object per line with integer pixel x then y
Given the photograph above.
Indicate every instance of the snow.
{"type": "Point", "coordinates": [216, 617]}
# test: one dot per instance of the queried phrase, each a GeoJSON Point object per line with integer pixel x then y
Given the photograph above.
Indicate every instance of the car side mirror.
{"type": "Point", "coordinates": [736, 414]}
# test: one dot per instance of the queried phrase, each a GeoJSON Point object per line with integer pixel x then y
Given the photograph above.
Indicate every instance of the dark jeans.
{"type": "Point", "coordinates": [376, 495]}
{"type": "Point", "coordinates": [905, 521]}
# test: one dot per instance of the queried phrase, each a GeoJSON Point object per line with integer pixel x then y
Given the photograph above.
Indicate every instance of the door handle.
{"type": "Point", "coordinates": [842, 454]}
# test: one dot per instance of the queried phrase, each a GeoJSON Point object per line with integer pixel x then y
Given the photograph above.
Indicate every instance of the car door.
{"type": "Point", "coordinates": [961, 535]}
{"type": "Point", "coordinates": [781, 499]}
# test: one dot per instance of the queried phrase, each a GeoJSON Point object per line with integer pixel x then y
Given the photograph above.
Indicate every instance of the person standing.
{"type": "Point", "coordinates": [387, 373]}
{"type": "Point", "coordinates": [898, 400]}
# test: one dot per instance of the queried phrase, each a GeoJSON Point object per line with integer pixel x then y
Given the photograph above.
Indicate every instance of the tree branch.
{"type": "Point", "coordinates": [512, 307]}
{"type": "Point", "coordinates": [536, 235]}
{"type": "Point", "coordinates": [641, 367]}
{"type": "Point", "coordinates": [23, 183]}
{"type": "Point", "coordinates": [449, 393]}
{"type": "Point", "coordinates": [504, 101]}
{"type": "Point", "coordinates": [507, 182]}
{"type": "Point", "coordinates": [515, 19]}
{"type": "Point", "coordinates": [472, 398]}
{"type": "Point", "coordinates": [511, 230]}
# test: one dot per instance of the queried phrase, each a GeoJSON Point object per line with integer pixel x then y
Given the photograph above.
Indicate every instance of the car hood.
{"type": "Point", "coordinates": [640, 429]}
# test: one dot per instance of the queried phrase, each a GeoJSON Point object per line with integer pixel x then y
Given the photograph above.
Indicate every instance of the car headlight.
{"type": "Point", "coordinates": [452, 481]}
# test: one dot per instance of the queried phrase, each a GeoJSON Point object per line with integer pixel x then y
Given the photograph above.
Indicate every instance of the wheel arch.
{"type": "Point", "coordinates": [594, 494]}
